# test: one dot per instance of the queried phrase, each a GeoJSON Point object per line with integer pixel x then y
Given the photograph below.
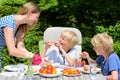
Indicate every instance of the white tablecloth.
{"type": "Point", "coordinates": [9, 76]}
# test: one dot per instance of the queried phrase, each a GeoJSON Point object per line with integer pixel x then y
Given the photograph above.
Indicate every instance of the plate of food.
{"type": "Point", "coordinates": [52, 63]}
{"type": "Point", "coordinates": [86, 69]}
{"type": "Point", "coordinates": [51, 75]}
{"type": "Point", "coordinates": [35, 69]}
{"type": "Point", "coordinates": [71, 72]}
{"type": "Point", "coordinates": [49, 71]}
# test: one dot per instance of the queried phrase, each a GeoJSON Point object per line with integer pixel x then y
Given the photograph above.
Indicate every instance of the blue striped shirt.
{"type": "Point", "coordinates": [6, 21]}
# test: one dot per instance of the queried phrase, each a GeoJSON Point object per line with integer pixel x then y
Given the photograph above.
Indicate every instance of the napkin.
{"type": "Point", "coordinates": [9, 76]}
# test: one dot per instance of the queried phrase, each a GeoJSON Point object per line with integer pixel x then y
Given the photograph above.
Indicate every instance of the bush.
{"type": "Point", "coordinates": [87, 46]}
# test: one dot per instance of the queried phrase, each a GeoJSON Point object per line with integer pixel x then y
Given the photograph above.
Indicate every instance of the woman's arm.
{"type": "Point", "coordinates": [113, 76]}
{"type": "Point", "coordinates": [20, 43]}
{"type": "Point", "coordinates": [10, 43]}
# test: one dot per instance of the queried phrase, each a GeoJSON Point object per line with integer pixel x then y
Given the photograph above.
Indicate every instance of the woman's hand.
{"type": "Point", "coordinates": [29, 55]}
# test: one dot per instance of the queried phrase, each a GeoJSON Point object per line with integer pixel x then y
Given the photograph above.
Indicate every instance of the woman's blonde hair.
{"type": "Point", "coordinates": [30, 6]}
{"type": "Point", "coordinates": [71, 37]}
{"type": "Point", "coordinates": [103, 40]}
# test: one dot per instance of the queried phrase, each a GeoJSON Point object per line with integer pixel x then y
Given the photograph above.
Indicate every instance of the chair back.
{"type": "Point", "coordinates": [53, 34]}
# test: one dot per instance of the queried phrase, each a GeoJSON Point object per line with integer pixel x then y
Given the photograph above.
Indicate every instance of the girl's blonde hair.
{"type": "Point", "coordinates": [30, 6]}
{"type": "Point", "coordinates": [103, 40]}
{"type": "Point", "coordinates": [71, 37]}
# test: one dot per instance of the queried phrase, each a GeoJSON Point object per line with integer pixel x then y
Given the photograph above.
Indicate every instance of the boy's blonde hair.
{"type": "Point", "coordinates": [103, 40]}
{"type": "Point", "coordinates": [71, 37]}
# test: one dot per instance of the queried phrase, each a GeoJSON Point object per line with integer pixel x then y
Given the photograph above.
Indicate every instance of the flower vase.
{"type": "Point", "coordinates": [29, 75]}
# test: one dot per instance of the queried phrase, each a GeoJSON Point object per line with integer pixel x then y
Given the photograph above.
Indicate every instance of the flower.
{"type": "Point", "coordinates": [36, 59]}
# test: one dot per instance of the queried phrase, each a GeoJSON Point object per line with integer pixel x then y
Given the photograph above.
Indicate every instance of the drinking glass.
{"type": "Point", "coordinates": [93, 68]}
{"type": "Point", "coordinates": [21, 71]}
{"type": "Point", "coordinates": [78, 59]}
{"type": "Point", "coordinates": [93, 71]}
{"type": "Point", "coordinates": [29, 75]}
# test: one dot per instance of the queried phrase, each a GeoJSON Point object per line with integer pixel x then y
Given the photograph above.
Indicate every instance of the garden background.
{"type": "Point", "coordinates": [89, 16]}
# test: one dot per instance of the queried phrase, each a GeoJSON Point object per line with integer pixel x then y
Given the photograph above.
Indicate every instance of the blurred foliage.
{"type": "Point", "coordinates": [46, 4]}
{"type": "Point", "coordinates": [89, 16]}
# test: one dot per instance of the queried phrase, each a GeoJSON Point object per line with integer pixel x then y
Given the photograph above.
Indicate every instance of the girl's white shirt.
{"type": "Point", "coordinates": [54, 53]}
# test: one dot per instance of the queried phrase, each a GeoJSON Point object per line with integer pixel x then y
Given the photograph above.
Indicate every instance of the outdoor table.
{"type": "Point", "coordinates": [83, 76]}
{"type": "Point", "coordinates": [98, 76]}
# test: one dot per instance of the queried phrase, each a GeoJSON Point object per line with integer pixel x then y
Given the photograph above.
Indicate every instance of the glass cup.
{"type": "Point", "coordinates": [78, 59]}
{"type": "Point", "coordinates": [29, 75]}
{"type": "Point", "coordinates": [93, 68]}
{"type": "Point", "coordinates": [21, 67]}
{"type": "Point", "coordinates": [21, 71]}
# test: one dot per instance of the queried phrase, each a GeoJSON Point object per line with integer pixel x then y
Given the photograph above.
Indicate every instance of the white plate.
{"type": "Point", "coordinates": [51, 75]}
{"type": "Point", "coordinates": [53, 64]}
{"type": "Point", "coordinates": [11, 67]}
{"type": "Point", "coordinates": [88, 71]}
{"type": "Point", "coordinates": [35, 69]}
{"type": "Point", "coordinates": [15, 68]}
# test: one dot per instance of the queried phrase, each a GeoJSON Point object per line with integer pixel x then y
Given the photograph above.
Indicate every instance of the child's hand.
{"type": "Point", "coordinates": [84, 55]}
{"type": "Point", "coordinates": [57, 44]}
{"type": "Point", "coordinates": [49, 43]}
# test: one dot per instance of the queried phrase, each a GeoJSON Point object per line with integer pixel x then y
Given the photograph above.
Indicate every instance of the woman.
{"type": "Point", "coordinates": [14, 27]}
{"type": "Point", "coordinates": [62, 52]}
{"type": "Point", "coordinates": [107, 58]}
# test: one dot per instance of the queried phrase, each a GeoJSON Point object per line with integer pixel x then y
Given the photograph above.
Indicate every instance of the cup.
{"type": "Point", "coordinates": [29, 75]}
{"type": "Point", "coordinates": [93, 68]}
{"type": "Point", "coordinates": [78, 59]}
{"type": "Point", "coordinates": [21, 71]}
